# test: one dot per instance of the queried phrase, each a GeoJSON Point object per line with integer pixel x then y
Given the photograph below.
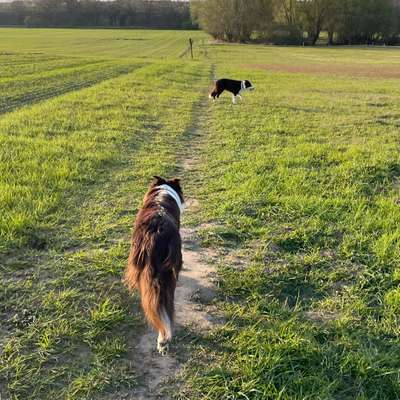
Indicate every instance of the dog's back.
{"type": "Point", "coordinates": [233, 86]}
{"type": "Point", "coordinates": [221, 85]}
{"type": "Point", "coordinates": [155, 259]}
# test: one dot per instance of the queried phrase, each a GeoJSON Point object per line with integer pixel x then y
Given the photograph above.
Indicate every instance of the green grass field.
{"type": "Point", "coordinates": [301, 182]}
{"type": "Point", "coordinates": [298, 189]}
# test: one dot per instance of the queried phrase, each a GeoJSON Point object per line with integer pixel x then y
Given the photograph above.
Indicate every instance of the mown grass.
{"type": "Point", "coordinates": [112, 43]}
{"type": "Point", "coordinates": [15, 64]}
{"type": "Point", "coordinates": [73, 171]}
{"type": "Point", "coordinates": [300, 185]}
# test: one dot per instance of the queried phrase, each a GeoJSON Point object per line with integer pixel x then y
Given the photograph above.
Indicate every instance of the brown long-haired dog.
{"type": "Point", "coordinates": [155, 259]}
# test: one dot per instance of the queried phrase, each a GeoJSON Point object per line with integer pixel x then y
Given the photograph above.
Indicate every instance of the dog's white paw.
{"type": "Point", "coordinates": [163, 348]}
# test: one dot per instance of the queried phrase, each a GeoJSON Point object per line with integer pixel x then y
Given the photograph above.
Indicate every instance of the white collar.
{"type": "Point", "coordinates": [168, 189]}
{"type": "Point", "coordinates": [243, 85]}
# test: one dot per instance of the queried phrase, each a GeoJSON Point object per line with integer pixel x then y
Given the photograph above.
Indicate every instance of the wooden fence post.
{"type": "Point", "coordinates": [191, 47]}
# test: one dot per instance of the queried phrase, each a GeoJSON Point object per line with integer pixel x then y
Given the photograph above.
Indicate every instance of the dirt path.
{"type": "Point", "coordinates": [195, 290]}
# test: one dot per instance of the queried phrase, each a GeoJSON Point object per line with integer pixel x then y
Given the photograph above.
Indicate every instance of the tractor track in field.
{"type": "Point", "coordinates": [194, 293]}
{"type": "Point", "coordinates": [34, 98]}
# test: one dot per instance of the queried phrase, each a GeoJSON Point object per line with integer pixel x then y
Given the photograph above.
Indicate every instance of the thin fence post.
{"type": "Point", "coordinates": [191, 47]}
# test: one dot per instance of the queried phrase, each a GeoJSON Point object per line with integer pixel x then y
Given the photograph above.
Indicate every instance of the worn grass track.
{"type": "Point", "coordinates": [195, 290]}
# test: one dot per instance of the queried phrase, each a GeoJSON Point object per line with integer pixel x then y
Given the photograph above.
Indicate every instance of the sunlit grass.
{"type": "Point", "coordinates": [73, 171]}
{"type": "Point", "coordinates": [298, 184]}
{"type": "Point", "coordinates": [112, 43]}
{"type": "Point", "coordinates": [301, 181]}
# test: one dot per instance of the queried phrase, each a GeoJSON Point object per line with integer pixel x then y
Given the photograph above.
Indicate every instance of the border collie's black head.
{"type": "Point", "coordinates": [174, 183]}
{"type": "Point", "coordinates": [248, 85]}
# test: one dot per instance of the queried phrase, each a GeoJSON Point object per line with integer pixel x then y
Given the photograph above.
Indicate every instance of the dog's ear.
{"type": "Point", "coordinates": [175, 183]}
{"type": "Point", "coordinates": [157, 181]}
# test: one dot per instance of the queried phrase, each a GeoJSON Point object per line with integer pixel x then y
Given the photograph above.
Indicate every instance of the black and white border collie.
{"type": "Point", "coordinates": [155, 259]}
{"type": "Point", "coordinates": [235, 87]}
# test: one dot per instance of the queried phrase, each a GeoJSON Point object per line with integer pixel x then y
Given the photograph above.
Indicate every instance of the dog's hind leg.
{"type": "Point", "coordinates": [213, 95]}
{"type": "Point", "coordinates": [164, 337]}
{"type": "Point", "coordinates": [233, 99]}
{"type": "Point", "coordinates": [162, 345]}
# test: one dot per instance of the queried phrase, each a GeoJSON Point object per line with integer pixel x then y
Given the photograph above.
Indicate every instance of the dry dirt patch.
{"type": "Point", "coordinates": [353, 70]}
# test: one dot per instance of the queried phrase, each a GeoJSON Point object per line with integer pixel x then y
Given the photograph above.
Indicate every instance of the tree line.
{"type": "Point", "coordinates": [271, 21]}
{"type": "Point", "coordinates": [114, 13]}
{"type": "Point", "coordinates": [300, 21]}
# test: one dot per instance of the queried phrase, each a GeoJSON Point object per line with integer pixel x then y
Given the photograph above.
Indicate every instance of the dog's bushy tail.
{"type": "Point", "coordinates": [157, 305]}
{"type": "Point", "coordinates": [151, 270]}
